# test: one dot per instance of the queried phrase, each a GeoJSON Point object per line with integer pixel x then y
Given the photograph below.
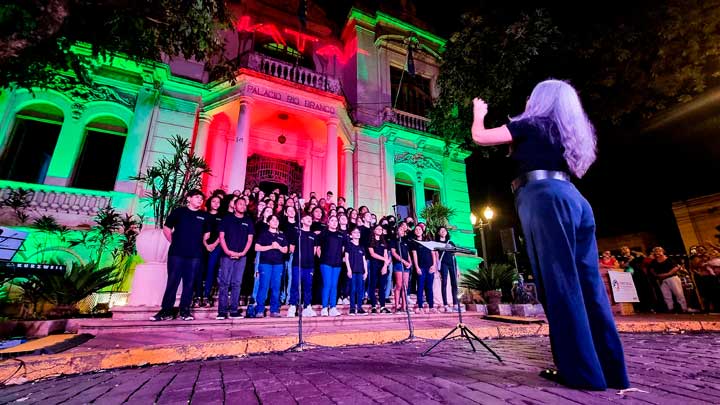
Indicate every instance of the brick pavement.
{"type": "Point", "coordinates": [673, 368]}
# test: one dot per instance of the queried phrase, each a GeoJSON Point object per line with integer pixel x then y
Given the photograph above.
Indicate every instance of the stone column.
{"type": "Point", "coordinates": [136, 139]}
{"type": "Point", "coordinates": [201, 140]}
{"type": "Point", "coordinates": [349, 181]}
{"type": "Point", "coordinates": [66, 153]}
{"type": "Point", "coordinates": [331, 159]}
{"type": "Point", "coordinates": [387, 164]}
{"type": "Point", "coordinates": [419, 193]}
{"type": "Point", "coordinates": [238, 156]}
{"type": "Point", "coordinates": [317, 177]}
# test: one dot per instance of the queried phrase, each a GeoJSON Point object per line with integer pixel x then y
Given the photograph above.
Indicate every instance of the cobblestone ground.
{"type": "Point", "coordinates": [672, 368]}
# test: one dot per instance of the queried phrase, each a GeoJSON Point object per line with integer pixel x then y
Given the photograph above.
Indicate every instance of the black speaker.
{"type": "Point", "coordinates": [507, 238]}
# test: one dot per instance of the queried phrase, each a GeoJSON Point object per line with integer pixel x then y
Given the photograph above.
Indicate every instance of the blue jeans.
{"type": "Point", "coordinates": [377, 280]}
{"type": "Point", "coordinates": [212, 265]}
{"type": "Point", "coordinates": [230, 275]}
{"type": "Point", "coordinates": [330, 276]}
{"type": "Point", "coordinates": [357, 291]}
{"type": "Point", "coordinates": [287, 271]}
{"type": "Point", "coordinates": [270, 275]}
{"type": "Point", "coordinates": [256, 282]}
{"type": "Point", "coordinates": [425, 285]}
{"type": "Point", "coordinates": [559, 229]}
{"type": "Point", "coordinates": [180, 269]}
{"type": "Point", "coordinates": [306, 280]}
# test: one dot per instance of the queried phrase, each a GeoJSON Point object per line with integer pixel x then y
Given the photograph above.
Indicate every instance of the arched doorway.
{"type": "Point", "coordinates": [269, 173]}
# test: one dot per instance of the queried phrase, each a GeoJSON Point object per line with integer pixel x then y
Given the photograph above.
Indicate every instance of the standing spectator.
{"type": "Point", "coordinates": [665, 271]}
{"type": "Point", "coordinates": [185, 228]}
{"type": "Point", "coordinates": [608, 261]}
{"type": "Point", "coordinates": [236, 237]}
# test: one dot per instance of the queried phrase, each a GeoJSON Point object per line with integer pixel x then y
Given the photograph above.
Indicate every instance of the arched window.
{"type": "Point", "coordinates": [432, 192]}
{"type": "Point", "coordinates": [99, 160]}
{"type": "Point", "coordinates": [31, 144]}
{"type": "Point", "coordinates": [404, 195]}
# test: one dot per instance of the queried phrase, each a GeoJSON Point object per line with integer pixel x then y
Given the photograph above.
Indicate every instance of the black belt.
{"type": "Point", "coordinates": [536, 175]}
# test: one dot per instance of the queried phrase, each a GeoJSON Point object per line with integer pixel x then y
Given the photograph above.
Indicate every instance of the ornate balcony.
{"type": "Point", "coordinates": [54, 199]}
{"type": "Point", "coordinates": [405, 119]}
{"type": "Point", "coordinates": [287, 71]}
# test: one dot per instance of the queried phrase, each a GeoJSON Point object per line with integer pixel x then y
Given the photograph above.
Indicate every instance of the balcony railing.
{"type": "Point", "coordinates": [287, 71]}
{"type": "Point", "coordinates": [44, 198]}
{"type": "Point", "coordinates": [406, 119]}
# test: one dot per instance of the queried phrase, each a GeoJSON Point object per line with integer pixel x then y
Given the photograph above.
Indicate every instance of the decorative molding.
{"type": "Point", "coordinates": [418, 160]}
{"type": "Point", "coordinates": [81, 94]}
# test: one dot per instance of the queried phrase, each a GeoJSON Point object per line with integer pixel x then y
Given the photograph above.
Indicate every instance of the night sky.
{"type": "Point", "coordinates": [639, 171]}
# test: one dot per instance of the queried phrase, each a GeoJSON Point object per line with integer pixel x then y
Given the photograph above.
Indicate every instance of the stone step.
{"type": "Point", "coordinates": [205, 320]}
{"type": "Point", "coordinates": [143, 313]}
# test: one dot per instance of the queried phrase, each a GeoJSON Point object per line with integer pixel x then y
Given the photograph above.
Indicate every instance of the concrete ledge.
{"type": "Point", "coordinates": [32, 328]}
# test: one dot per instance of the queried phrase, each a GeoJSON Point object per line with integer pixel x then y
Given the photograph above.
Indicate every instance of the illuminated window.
{"type": "Point", "coordinates": [31, 144]}
{"type": "Point", "coordinates": [414, 96]}
{"type": "Point", "coordinates": [404, 196]}
{"type": "Point", "coordinates": [285, 53]}
{"type": "Point", "coordinates": [432, 192]}
{"type": "Point", "coordinates": [99, 161]}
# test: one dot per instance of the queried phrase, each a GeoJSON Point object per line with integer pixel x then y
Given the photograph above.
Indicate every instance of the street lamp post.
{"type": "Point", "coordinates": [481, 223]}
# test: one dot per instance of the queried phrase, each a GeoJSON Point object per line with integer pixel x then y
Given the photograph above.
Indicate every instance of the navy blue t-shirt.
{"type": "Point", "coordinates": [331, 248]}
{"type": "Point", "coordinates": [424, 255]}
{"type": "Point", "coordinates": [307, 248]}
{"type": "Point", "coordinates": [401, 248]}
{"type": "Point", "coordinates": [366, 234]}
{"type": "Point", "coordinates": [189, 227]}
{"type": "Point", "coordinates": [272, 256]}
{"type": "Point", "coordinates": [317, 227]}
{"type": "Point", "coordinates": [356, 257]}
{"type": "Point", "coordinates": [214, 226]}
{"type": "Point", "coordinates": [379, 247]}
{"type": "Point", "coordinates": [536, 145]}
{"type": "Point", "coordinates": [237, 230]}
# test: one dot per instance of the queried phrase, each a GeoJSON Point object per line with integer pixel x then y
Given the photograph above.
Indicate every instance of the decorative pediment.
{"type": "Point", "coordinates": [82, 94]}
{"type": "Point", "coordinates": [418, 160]}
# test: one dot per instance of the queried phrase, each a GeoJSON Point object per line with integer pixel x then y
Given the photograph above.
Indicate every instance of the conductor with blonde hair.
{"type": "Point", "coordinates": [552, 142]}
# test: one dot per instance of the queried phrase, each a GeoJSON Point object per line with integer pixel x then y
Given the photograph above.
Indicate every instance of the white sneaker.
{"type": "Point", "coordinates": [308, 312]}
{"type": "Point", "coordinates": [346, 301]}
{"type": "Point", "coordinates": [291, 311]}
{"type": "Point", "coordinates": [324, 312]}
{"type": "Point", "coordinates": [334, 312]}
{"type": "Point", "coordinates": [340, 301]}
{"type": "Point", "coordinates": [447, 308]}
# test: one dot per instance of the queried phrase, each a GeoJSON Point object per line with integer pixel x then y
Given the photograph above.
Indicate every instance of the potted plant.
{"type": "Point", "coordinates": [65, 290]}
{"type": "Point", "coordinates": [166, 183]}
{"type": "Point", "coordinates": [436, 215]}
{"type": "Point", "coordinates": [491, 281]}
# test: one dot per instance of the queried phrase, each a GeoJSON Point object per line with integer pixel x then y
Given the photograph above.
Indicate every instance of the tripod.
{"type": "Point", "coordinates": [465, 332]}
{"type": "Point", "coordinates": [301, 344]}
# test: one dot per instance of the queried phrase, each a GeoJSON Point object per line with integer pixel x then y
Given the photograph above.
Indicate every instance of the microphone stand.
{"type": "Point", "coordinates": [465, 332]}
{"type": "Point", "coordinates": [301, 344]}
{"type": "Point", "coordinates": [411, 337]}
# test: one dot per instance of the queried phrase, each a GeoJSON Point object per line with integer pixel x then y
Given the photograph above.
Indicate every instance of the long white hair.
{"type": "Point", "coordinates": [557, 100]}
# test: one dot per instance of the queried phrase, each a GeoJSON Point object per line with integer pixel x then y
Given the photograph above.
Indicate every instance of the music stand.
{"type": "Point", "coordinates": [465, 332]}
